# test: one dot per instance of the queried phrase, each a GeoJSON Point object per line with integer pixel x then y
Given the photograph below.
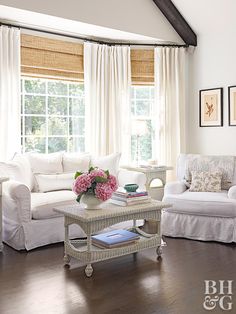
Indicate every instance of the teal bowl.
{"type": "Point", "coordinates": [131, 187]}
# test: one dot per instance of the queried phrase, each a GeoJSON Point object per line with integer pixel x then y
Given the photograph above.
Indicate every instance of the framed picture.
{"type": "Point", "coordinates": [211, 107]}
{"type": "Point", "coordinates": [232, 105]}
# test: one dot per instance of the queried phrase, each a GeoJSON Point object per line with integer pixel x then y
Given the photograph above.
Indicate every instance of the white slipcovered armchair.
{"type": "Point", "coordinates": [40, 182]}
{"type": "Point", "coordinates": [207, 216]}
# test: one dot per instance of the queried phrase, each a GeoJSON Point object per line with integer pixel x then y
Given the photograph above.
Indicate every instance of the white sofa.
{"type": "Point", "coordinates": [207, 216]}
{"type": "Point", "coordinates": [38, 183]}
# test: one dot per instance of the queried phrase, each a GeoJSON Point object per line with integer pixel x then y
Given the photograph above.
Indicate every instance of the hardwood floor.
{"type": "Point", "coordinates": [36, 282]}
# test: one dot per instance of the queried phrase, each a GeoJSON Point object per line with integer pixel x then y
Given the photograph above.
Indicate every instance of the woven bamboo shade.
{"type": "Point", "coordinates": [142, 67]}
{"type": "Point", "coordinates": [58, 59]}
{"type": "Point", "coordinates": [45, 57]}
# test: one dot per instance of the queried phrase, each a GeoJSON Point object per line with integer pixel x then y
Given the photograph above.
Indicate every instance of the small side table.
{"type": "Point", "coordinates": [2, 179]}
{"type": "Point", "coordinates": [151, 174]}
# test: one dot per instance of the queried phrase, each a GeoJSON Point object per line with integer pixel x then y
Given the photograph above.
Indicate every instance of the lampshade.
{"type": "Point", "coordinates": [139, 127]}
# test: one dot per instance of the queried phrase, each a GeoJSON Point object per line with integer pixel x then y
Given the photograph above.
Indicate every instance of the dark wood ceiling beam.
{"type": "Point", "coordinates": [177, 21]}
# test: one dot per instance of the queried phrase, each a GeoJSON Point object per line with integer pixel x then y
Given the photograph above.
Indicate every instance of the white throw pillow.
{"type": "Point", "coordinates": [73, 162]}
{"type": "Point", "coordinates": [54, 182]}
{"type": "Point", "coordinates": [46, 163]}
{"type": "Point", "coordinates": [109, 162]}
{"type": "Point", "coordinates": [18, 169]}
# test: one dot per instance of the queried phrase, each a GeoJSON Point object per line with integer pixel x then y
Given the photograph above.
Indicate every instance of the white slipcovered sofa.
{"type": "Point", "coordinates": [207, 216]}
{"type": "Point", "coordinates": [40, 182]}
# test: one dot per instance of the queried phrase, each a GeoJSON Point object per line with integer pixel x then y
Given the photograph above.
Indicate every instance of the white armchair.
{"type": "Point", "coordinates": [207, 216]}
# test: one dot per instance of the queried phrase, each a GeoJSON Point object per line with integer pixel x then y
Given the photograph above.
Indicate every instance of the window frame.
{"type": "Point", "coordinates": [47, 116]}
{"type": "Point", "coordinates": [151, 117]}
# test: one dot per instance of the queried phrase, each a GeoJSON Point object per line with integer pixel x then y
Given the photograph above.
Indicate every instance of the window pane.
{"type": "Point", "coordinates": [35, 86]}
{"type": "Point", "coordinates": [77, 107]}
{"type": "Point", "coordinates": [145, 147]}
{"type": "Point", "coordinates": [35, 125]}
{"type": "Point", "coordinates": [133, 108]}
{"type": "Point", "coordinates": [142, 108]}
{"type": "Point", "coordinates": [56, 144]}
{"type": "Point", "coordinates": [35, 104]}
{"type": "Point", "coordinates": [37, 144]}
{"type": "Point", "coordinates": [142, 92]}
{"type": "Point", "coordinates": [76, 126]}
{"type": "Point", "coordinates": [76, 90]}
{"type": "Point", "coordinates": [57, 126]}
{"type": "Point", "coordinates": [57, 105]}
{"type": "Point", "coordinates": [77, 144]}
{"type": "Point", "coordinates": [57, 88]}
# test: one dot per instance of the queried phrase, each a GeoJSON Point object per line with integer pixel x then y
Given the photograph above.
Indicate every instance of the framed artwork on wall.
{"type": "Point", "coordinates": [232, 105]}
{"type": "Point", "coordinates": [211, 107]}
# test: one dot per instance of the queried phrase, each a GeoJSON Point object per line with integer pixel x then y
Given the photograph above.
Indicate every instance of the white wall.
{"type": "Point", "coordinates": [135, 16]}
{"type": "Point", "coordinates": [213, 64]}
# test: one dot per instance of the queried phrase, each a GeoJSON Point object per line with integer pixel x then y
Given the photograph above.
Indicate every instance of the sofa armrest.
{"type": "Point", "coordinates": [128, 176]}
{"type": "Point", "coordinates": [176, 187]}
{"type": "Point", "coordinates": [232, 192]}
{"type": "Point", "coordinates": [16, 201]}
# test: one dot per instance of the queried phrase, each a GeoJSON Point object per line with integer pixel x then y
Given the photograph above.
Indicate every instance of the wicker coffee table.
{"type": "Point", "coordinates": [93, 221]}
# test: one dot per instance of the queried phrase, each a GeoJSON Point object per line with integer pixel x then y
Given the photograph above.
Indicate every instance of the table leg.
{"type": "Point", "coordinates": [159, 251]}
{"type": "Point", "coordinates": [66, 258]}
{"type": "Point", "coordinates": [89, 268]}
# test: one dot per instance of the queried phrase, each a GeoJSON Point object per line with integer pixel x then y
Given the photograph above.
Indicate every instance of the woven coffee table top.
{"type": "Point", "coordinates": [108, 210]}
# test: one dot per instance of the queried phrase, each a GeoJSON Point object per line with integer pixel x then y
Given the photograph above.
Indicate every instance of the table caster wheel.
{"type": "Point", "coordinates": [89, 270]}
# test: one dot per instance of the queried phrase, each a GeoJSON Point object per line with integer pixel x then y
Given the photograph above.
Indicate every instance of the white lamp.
{"type": "Point", "coordinates": [138, 128]}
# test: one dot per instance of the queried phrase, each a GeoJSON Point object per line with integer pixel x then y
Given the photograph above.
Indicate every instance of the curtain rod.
{"type": "Point", "coordinates": [92, 40]}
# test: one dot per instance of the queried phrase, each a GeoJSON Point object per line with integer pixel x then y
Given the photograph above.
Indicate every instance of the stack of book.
{"type": "Point", "coordinates": [114, 239]}
{"type": "Point", "coordinates": [124, 198]}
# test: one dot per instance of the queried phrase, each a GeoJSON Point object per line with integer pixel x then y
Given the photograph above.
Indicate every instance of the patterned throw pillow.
{"type": "Point", "coordinates": [205, 181]}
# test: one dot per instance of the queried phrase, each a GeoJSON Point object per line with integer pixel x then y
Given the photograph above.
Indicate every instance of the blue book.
{"type": "Point", "coordinates": [115, 237]}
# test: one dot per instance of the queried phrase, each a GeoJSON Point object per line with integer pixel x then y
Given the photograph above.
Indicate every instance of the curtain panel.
{"type": "Point", "coordinates": [170, 104]}
{"type": "Point", "coordinates": [10, 129]}
{"type": "Point", "coordinates": [107, 79]}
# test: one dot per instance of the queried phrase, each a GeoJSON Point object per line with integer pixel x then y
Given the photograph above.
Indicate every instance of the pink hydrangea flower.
{"type": "Point", "coordinates": [103, 191]}
{"type": "Point", "coordinates": [82, 183]}
{"type": "Point", "coordinates": [112, 182]}
{"type": "Point", "coordinates": [97, 173]}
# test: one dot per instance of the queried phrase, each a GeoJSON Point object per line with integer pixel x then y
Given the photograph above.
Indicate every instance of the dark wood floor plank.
{"type": "Point", "coordinates": [37, 283]}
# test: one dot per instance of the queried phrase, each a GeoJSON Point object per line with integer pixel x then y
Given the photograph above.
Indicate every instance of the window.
{"type": "Point", "coordinates": [143, 121]}
{"type": "Point", "coordinates": [52, 115]}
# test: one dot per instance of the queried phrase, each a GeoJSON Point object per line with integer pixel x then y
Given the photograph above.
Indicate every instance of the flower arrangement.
{"type": "Point", "coordinates": [97, 182]}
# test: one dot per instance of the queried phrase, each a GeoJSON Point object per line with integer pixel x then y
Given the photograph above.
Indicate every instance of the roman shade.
{"type": "Point", "coordinates": [142, 66]}
{"type": "Point", "coordinates": [53, 58]}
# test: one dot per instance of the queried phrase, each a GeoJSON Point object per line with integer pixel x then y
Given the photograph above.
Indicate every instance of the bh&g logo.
{"type": "Point", "coordinates": [218, 294]}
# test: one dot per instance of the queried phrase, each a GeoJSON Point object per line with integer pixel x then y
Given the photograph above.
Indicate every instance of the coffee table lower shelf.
{"type": "Point", "coordinates": [79, 250]}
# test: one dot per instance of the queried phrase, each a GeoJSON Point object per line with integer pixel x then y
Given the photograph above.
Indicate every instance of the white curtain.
{"type": "Point", "coordinates": [170, 95]}
{"type": "Point", "coordinates": [107, 78]}
{"type": "Point", "coordinates": [10, 131]}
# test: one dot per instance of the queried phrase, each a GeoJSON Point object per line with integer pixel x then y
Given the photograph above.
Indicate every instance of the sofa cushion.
{"type": "Point", "coordinates": [54, 182]}
{"type": "Point", "coordinates": [202, 203]}
{"type": "Point", "coordinates": [109, 162]}
{"type": "Point", "coordinates": [46, 163]}
{"type": "Point", "coordinates": [73, 162]}
{"type": "Point", "coordinates": [42, 204]}
{"type": "Point", "coordinates": [18, 169]}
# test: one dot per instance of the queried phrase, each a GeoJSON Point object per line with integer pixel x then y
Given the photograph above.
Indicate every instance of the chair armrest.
{"type": "Point", "coordinates": [128, 176]}
{"type": "Point", "coordinates": [16, 197]}
{"type": "Point", "coordinates": [232, 192]}
{"type": "Point", "coordinates": [176, 187]}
